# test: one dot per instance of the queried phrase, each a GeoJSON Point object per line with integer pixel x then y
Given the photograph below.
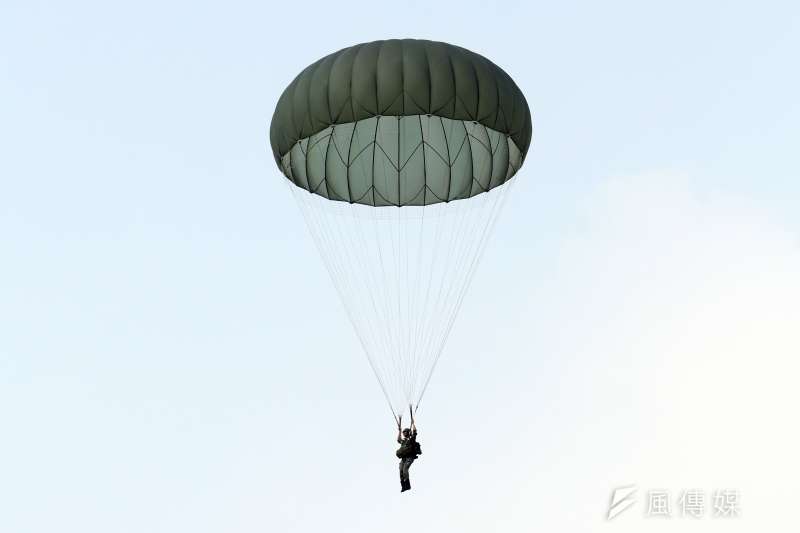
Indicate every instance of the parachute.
{"type": "Point", "coordinates": [400, 154]}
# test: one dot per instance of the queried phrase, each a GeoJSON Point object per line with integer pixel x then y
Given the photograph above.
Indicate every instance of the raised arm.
{"type": "Point", "coordinates": [400, 430]}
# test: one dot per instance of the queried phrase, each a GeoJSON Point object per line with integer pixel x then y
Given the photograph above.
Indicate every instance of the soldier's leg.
{"type": "Point", "coordinates": [407, 478]}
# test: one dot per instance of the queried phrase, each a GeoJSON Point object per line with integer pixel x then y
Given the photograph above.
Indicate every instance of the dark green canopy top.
{"type": "Point", "coordinates": [349, 126]}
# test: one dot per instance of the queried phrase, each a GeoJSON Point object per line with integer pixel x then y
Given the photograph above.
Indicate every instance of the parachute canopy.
{"type": "Point", "coordinates": [401, 122]}
{"type": "Point", "coordinates": [437, 132]}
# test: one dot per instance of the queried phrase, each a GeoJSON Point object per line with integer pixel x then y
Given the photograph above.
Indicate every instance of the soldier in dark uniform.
{"type": "Point", "coordinates": [408, 452]}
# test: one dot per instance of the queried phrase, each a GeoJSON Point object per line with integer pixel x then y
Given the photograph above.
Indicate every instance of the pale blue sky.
{"type": "Point", "coordinates": [173, 357]}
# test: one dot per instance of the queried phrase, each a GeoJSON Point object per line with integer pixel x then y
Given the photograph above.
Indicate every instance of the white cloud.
{"type": "Point", "coordinates": [680, 366]}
